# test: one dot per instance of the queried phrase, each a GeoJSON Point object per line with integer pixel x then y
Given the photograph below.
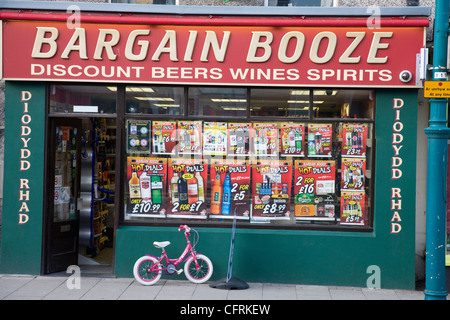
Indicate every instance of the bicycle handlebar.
{"type": "Point", "coordinates": [184, 227]}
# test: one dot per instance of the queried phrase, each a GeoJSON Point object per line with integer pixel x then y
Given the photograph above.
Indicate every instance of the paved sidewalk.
{"type": "Point", "coordinates": [25, 287]}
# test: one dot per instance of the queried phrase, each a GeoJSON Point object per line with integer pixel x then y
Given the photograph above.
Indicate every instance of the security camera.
{"type": "Point", "coordinates": [405, 76]}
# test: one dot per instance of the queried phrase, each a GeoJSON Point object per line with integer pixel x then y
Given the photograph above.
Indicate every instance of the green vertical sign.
{"type": "Point", "coordinates": [21, 243]}
{"type": "Point", "coordinates": [395, 183]}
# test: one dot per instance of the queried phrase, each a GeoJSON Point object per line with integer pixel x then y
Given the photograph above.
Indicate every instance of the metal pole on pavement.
{"type": "Point", "coordinates": [437, 134]}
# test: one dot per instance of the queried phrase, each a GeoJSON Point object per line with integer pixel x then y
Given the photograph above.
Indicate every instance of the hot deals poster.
{"type": "Point", "coordinates": [353, 208]}
{"type": "Point", "coordinates": [147, 186]}
{"type": "Point", "coordinates": [265, 139]}
{"type": "Point", "coordinates": [187, 180]}
{"type": "Point", "coordinates": [271, 185]}
{"type": "Point", "coordinates": [292, 139]}
{"type": "Point", "coordinates": [239, 139]}
{"type": "Point", "coordinates": [314, 188]}
{"type": "Point", "coordinates": [319, 140]}
{"type": "Point", "coordinates": [230, 189]}
{"type": "Point", "coordinates": [354, 137]}
{"type": "Point", "coordinates": [353, 174]}
{"type": "Point", "coordinates": [189, 137]}
{"type": "Point", "coordinates": [164, 137]}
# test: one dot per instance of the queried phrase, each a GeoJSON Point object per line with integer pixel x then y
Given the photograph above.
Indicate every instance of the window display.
{"type": "Point", "coordinates": [260, 171]}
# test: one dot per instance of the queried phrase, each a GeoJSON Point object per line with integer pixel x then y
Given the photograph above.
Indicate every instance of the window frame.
{"type": "Point", "coordinates": [212, 223]}
{"type": "Point", "coordinates": [121, 118]}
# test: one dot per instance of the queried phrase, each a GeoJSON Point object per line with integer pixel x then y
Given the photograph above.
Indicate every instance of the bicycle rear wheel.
{"type": "Point", "coordinates": [203, 273]}
{"type": "Point", "coordinates": [142, 272]}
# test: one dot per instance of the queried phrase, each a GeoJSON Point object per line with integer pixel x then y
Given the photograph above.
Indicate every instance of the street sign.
{"type": "Point", "coordinates": [437, 89]}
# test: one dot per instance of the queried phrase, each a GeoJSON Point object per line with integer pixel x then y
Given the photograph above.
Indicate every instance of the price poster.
{"type": "Point", "coordinates": [314, 188]}
{"type": "Point", "coordinates": [271, 185]}
{"type": "Point", "coordinates": [353, 208]}
{"type": "Point", "coordinates": [138, 136]}
{"type": "Point", "coordinates": [319, 140]}
{"type": "Point", "coordinates": [215, 138]}
{"type": "Point", "coordinates": [354, 137]}
{"type": "Point", "coordinates": [189, 137]}
{"type": "Point", "coordinates": [238, 139]}
{"type": "Point", "coordinates": [353, 174]}
{"type": "Point", "coordinates": [146, 186]}
{"type": "Point", "coordinates": [265, 139]}
{"type": "Point", "coordinates": [187, 180]}
{"type": "Point", "coordinates": [292, 139]}
{"type": "Point", "coordinates": [164, 135]}
{"type": "Point", "coordinates": [230, 189]}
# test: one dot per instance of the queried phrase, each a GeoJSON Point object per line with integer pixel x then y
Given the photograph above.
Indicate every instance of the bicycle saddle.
{"type": "Point", "coordinates": [162, 244]}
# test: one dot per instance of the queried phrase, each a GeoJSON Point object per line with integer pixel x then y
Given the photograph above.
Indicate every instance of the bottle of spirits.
{"type": "Point", "coordinates": [144, 181]}
{"type": "Point", "coordinates": [182, 190]}
{"type": "Point", "coordinates": [156, 189]}
{"type": "Point", "coordinates": [135, 189]}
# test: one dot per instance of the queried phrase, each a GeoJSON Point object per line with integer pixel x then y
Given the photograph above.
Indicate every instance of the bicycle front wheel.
{"type": "Point", "coordinates": [203, 273]}
{"type": "Point", "coordinates": [142, 272]}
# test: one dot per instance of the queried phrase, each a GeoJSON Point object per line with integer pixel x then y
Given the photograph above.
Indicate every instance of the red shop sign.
{"type": "Point", "coordinates": [236, 55]}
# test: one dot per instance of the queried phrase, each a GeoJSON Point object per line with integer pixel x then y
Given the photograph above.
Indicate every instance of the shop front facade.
{"type": "Point", "coordinates": [302, 128]}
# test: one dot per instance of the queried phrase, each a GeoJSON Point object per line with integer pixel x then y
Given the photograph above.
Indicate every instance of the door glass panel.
{"type": "Point", "coordinates": [66, 184]}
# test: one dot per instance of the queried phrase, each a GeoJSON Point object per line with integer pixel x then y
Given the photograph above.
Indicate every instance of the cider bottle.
{"type": "Point", "coordinates": [226, 204]}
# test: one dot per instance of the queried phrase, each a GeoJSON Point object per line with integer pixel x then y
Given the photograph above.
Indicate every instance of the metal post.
{"type": "Point", "coordinates": [437, 134]}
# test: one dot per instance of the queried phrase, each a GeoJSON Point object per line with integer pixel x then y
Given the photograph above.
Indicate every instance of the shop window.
{"type": "Point", "coordinates": [154, 100]}
{"type": "Point", "coordinates": [357, 104]}
{"type": "Point", "coordinates": [280, 102]}
{"type": "Point", "coordinates": [219, 102]}
{"type": "Point", "coordinates": [82, 99]}
{"type": "Point", "coordinates": [277, 157]}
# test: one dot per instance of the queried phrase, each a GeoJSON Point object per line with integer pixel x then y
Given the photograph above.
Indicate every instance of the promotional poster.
{"type": "Point", "coordinates": [354, 139]}
{"type": "Point", "coordinates": [320, 137]}
{"type": "Point", "coordinates": [230, 189]}
{"type": "Point", "coordinates": [353, 174]}
{"type": "Point", "coordinates": [189, 137]}
{"type": "Point", "coordinates": [138, 136]}
{"type": "Point", "coordinates": [314, 188]}
{"type": "Point", "coordinates": [187, 180]}
{"type": "Point", "coordinates": [164, 137]}
{"type": "Point", "coordinates": [265, 139]}
{"type": "Point", "coordinates": [215, 138]}
{"type": "Point", "coordinates": [239, 139]}
{"type": "Point", "coordinates": [353, 208]}
{"type": "Point", "coordinates": [146, 186]}
{"type": "Point", "coordinates": [292, 139]}
{"type": "Point", "coordinates": [271, 185]}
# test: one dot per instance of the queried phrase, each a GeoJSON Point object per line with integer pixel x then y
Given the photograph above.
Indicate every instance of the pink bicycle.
{"type": "Point", "coordinates": [198, 268]}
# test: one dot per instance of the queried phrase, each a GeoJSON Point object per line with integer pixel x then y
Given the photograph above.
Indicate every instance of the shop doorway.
{"type": "Point", "coordinates": [80, 201]}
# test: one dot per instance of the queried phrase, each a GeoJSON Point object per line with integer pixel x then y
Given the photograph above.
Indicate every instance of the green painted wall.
{"type": "Point", "coordinates": [21, 243]}
{"type": "Point", "coordinates": [317, 257]}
